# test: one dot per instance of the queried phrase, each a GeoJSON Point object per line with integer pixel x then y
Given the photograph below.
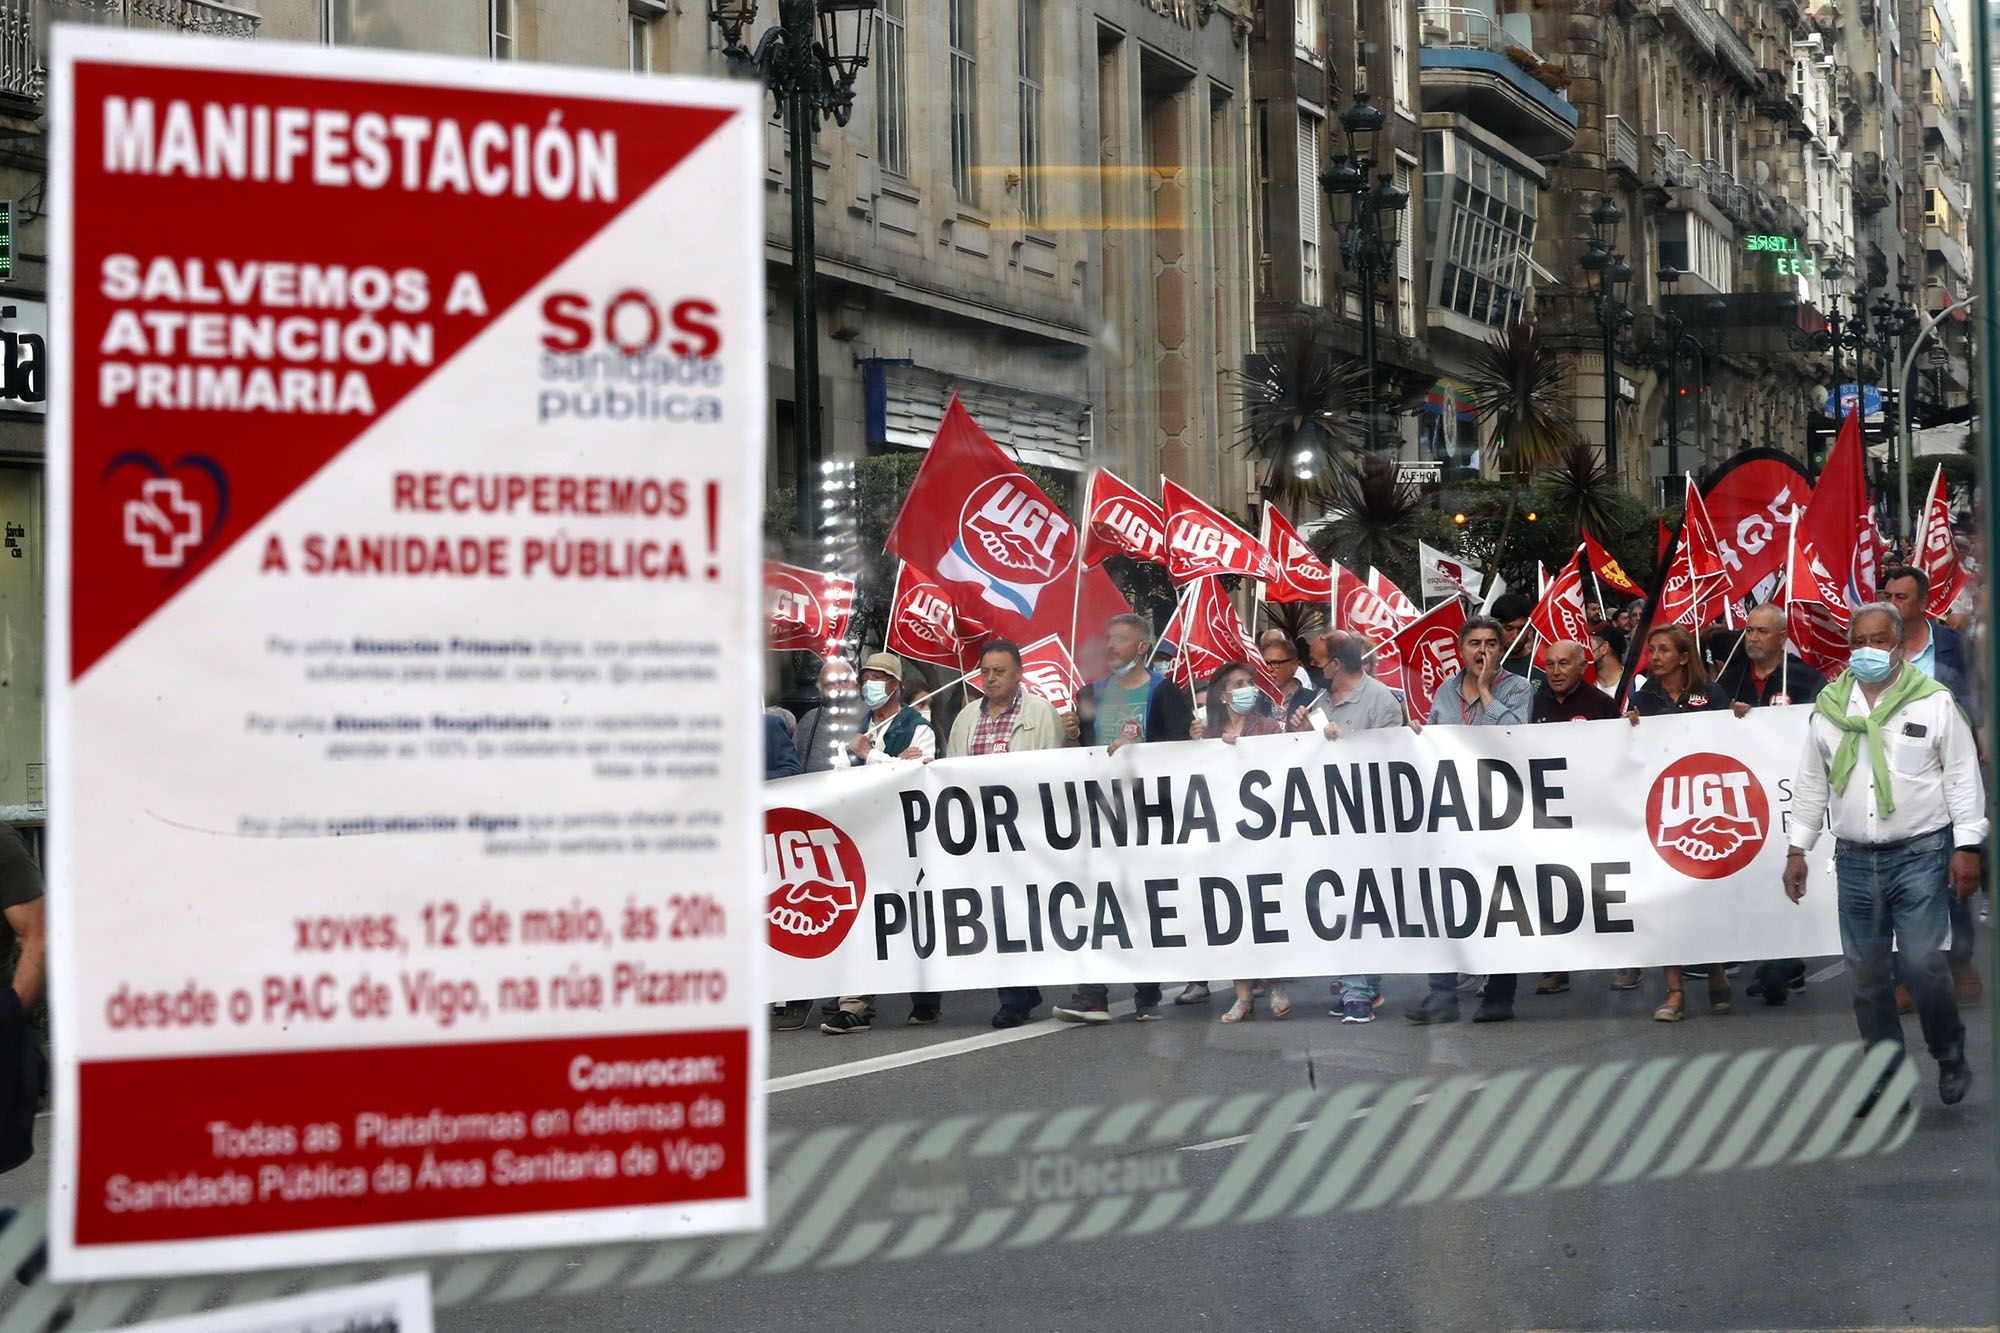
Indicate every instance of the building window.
{"type": "Point", "coordinates": [892, 130]}
{"type": "Point", "coordinates": [964, 97]}
{"type": "Point", "coordinates": [501, 21]}
{"type": "Point", "coordinates": [639, 43]}
{"type": "Point", "coordinates": [1399, 54]}
{"type": "Point", "coordinates": [1029, 27]}
{"type": "Point", "coordinates": [1263, 198]}
{"type": "Point", "coordinates": [1311, 290]}
{"type": "Point", "coordinates": [1305, 27]}
{"type": "Point", "coordinates": [1479, 222]}
{"type": "Point", "coordinates": [1406, 261]}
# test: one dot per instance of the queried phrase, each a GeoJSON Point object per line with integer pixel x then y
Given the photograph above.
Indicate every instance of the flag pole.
{"type": "Point", "coordinates": [1791, 553]}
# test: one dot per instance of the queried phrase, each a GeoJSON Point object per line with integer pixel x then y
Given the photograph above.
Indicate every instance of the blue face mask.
{"type": "Point", "coordinates": [875, 693]}
{"type": "Point", "coordinates": [1243, 699]}
{"type": "Point", "coordinates": [1871, 666]}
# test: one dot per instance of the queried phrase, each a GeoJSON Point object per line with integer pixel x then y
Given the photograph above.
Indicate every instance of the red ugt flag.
{"type": "Point", "coordinates": [1211, 635]}
{"type": "Point", "coordinates": [1121, 521]}
{"type": "Point", "coordinates": [1558, 617]}
{"type": "Point", "coordinates": [990, 536]}
{"type": "Point", "coordinates": [1356, 607]}
{"type": "Point", "coordinates": [1392, 597]}
{"type": "Point", "coordinates": [1200, 542]}
{"type": "Point", "coordinates": [1697, 587]}
{"type": "Point", "coordinates": [1047, 670]}
{"type": "Point", "coordinates": [1815, 610]}
{"type": "Point", "coordinates": [925, 625]}
{"type": "Point", "coordinates": [1304, 578]}
{"type": "Point", "coordinates": [807, 610]}
{"type": "Point", "coordinates": [1835, 522]}
{"type": "Point", "coordinates": [1937, 553]}
{"type": "Point", "coordinates": [1428, 650]}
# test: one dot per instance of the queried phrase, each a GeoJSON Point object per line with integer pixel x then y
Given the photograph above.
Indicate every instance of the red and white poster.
{"type": "Point", "coordinates": [404, 469]}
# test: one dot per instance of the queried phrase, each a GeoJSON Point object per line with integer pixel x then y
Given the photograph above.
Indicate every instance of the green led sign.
{"type": "Point", "coordinates": [1784, 252]}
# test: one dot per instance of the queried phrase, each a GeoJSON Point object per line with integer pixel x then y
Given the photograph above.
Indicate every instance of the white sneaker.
{"type": "Point", "coordinates": [1195, 992]}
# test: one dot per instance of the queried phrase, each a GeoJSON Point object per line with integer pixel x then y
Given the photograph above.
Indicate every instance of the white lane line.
{"type": "Point", "coordinates": [942, 1050]}
{"type": "Point", "coordinates": [1237, 1140]}
{"type": "Point", "coordinates": [1826, 972]}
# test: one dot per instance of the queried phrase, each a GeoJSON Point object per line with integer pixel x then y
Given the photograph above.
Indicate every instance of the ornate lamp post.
{"type": "Point", "coordinates": [1609, 275]}
{"type": "Point", "coordinates": [1674, 343]}
{"type": "Point", "coordinates": [809, 62]}
{"type": "Point", "coordinates": [1368, 253]}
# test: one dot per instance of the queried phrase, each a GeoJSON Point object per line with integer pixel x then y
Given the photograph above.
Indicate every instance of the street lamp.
{"type": "Point", "coordinates": [809, 62]}
{"type": "Point", "coordinates": [1674, 343]}
{"type": "Point", "coordinates": [1367, 252]}
{"type": "Point", "coordinates": [1611, 274]}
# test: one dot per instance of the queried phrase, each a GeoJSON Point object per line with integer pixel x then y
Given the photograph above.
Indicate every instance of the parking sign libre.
{"type": "Point", "coordinates": [405, 809]}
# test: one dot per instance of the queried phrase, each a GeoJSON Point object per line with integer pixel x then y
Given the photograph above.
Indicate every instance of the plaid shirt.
{"type": "Point", "coordinates": [992, 733]}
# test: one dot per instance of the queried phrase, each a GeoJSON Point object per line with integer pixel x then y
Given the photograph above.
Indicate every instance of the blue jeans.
{"type": "Point", "coordinates": [1445, 984]}
{"type": "Point", "coordinates": [1362, 989]}
{"type": "Point", "coordinates": [1901, 892]}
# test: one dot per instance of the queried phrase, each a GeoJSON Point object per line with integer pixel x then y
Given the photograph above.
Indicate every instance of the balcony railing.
{"type": "Point", "coordinates": [1623, 143]}
{"type": "Point", "coordinates": [22, 48]}
{"type": "Point", "coordinates": [1467, 29]}
{"type": "Point", "coordinates": [1672, 164]}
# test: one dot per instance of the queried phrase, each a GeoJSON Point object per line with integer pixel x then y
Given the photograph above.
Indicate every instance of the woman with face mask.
{"type": "Point", "coordinates": [1237, 708]}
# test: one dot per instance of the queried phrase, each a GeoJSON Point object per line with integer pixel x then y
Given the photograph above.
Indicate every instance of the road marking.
{"type": "Point", "coordinates": [1826, 972]}
{"type": "Point", "coordinates": [1237, 1140]}
{"type": "Point", "coordinates": [942, 1050]}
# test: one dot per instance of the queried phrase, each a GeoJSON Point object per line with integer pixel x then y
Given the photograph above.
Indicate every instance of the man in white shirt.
{"type": "Point", "coordinates": [1888, 749]}
{"type": "Point", "coordinates": [895, 730]}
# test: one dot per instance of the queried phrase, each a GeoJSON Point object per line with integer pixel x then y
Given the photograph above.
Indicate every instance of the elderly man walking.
{"type": "Point", "coordinates": [1889, 751]}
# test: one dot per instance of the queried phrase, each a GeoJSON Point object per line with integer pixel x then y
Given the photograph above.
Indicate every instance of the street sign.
{"type": "Point", "coordinates": [407, 773]}
{"type": "Point", "coordinates": [1867, 395]}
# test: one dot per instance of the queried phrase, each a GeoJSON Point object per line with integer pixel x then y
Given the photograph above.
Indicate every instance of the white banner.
{"type": "Point", "coordinates": [1476, 849]}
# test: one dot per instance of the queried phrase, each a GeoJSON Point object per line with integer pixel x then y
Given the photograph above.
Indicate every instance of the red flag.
{"type": "Point", "coordinates": [925, 626]}
{"type": "Point", "coordinates": [1355, 606]}
{"type": "Point", "coordinates": [1047, 670]}
{"type": "Point", "coordinates": [1609, 572]}
{"type": "Point", "coordinates": [1428, 650]}
{"type": "Point", "coordinates": [1558, 617]}
{"type": "Point", "coordinates": [1815, 610]}
{"type": "Point", "coordinates": [1665, 539]}
{"type": "Point", "coordinates": [807, 609]}
{"type": "Point", "coordinates": [1839, 514]}
{"type": "Point", "coordinates": [1392, 597]}
{"type": "Point", "coordinates": [1936, 553]}
{"type": "Point", "coordinates": [1122, 521]}
{"type": "Point", "coordinates": [1750, 500]}
{"type": "Point", "coordinates": [976, 523]}
{"type": "Point", "coordinates": [1211, 635]}
{"type": "Point", "coordinates": [1697, 587]}
{"type": "Point", "coordinates": [1200, 542]}
{"type": "Point", "coordinates": [1303, 577]}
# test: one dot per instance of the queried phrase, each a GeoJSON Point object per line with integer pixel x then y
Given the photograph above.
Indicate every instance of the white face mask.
{"type": "Point", "coordinates": [1243, 698]}
{"type": "Point", "coordinates": [874, 693]}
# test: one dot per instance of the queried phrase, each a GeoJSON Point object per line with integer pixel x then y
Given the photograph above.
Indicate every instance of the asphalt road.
{"type": "Point", "coordinates": [1902, 1240]}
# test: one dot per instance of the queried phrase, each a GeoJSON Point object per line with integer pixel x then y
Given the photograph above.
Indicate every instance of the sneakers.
{"type": "Point", "coordinates": [1493, 1011]}
{"type": "Point", "coordinates": [1082, 1011]}
{"type": "Point", "coordinates": [1356, 1011]}
{"type": "Point", "coordinates": [790, 1017]}
{"type": "Point", "coordinates": [923, 1017]}
{"type": "Point", "coordinates": [1005, 1017]}
{"type": "Point", "coordinates": [1954, 1080]}
{"type": "Point", "coordinates": [1435, 1009]}
{"type": "Point", "coordinates": [1145, 1013]}
{"type": "Point", "coordinates": [1552, 983]}
{"type": "Point", "coordinates": [1195, 992]}
{"type": "Point", "coordinates": [844, 1024]}
{"type": "Point", "coordinates": [1625, 978]}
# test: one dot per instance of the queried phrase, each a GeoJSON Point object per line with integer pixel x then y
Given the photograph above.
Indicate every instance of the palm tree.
{"type": "Point", "coordinates": [1375, 514]}
{"type": "Point", "coordinates": [1581, 493]}
{"type": "Point", "coordinates": [1301, 422]}
{"type": "Point", "coordinates": [1518, 389]}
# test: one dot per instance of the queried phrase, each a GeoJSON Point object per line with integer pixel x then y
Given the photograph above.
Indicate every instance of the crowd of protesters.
{"type": "Point", "coordinates": [1910, 891]}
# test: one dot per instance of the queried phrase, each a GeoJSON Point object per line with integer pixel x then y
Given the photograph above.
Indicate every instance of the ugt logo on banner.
{"type": "Point", "coordinates": [816, 879]}
{"type": "Point", "coordinates": [1708, 816]}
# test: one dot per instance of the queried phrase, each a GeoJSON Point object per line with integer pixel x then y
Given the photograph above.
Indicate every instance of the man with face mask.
{"type": "Point", "coordinates": [1889, 751]}
{"type": "Point", "coordinates": [894, 730]}
{"type": "Point", "coordinates": [823, 731]}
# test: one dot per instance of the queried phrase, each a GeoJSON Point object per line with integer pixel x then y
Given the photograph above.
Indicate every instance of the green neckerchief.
{"type": "Point", "coordinates": [1910, 686]}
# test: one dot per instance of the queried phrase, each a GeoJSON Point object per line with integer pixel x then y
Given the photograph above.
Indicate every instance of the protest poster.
{"type": "Point", "coordinates": [404, 483]}
{"type": "Point", "coordinates": [1476, 849]}
{"type": "Point", "coordinates": [392, 1305]}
